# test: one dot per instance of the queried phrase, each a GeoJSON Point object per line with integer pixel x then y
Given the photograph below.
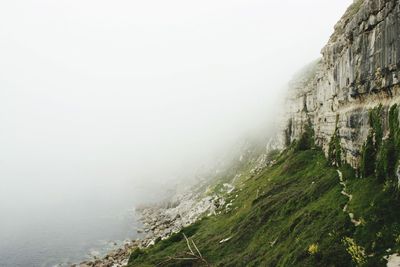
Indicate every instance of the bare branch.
{"type": "Point", "coordinates": [191, 256]}
{"type": "Point", "coordinates": [188, 244]}
{"type": "Point", "coordinates": [198, 251]}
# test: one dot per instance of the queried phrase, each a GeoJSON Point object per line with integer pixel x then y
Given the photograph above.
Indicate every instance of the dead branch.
{"type": "Point", "coordinates": [190, 256]}
{"type": "Point", "coordinates": [188, 243]}
{"type": "Point", "coordinates": [198, 251]}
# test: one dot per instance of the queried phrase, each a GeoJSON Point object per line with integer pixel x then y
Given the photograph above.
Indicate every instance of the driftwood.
{"type": "Point", "coordinates": [193, 255]}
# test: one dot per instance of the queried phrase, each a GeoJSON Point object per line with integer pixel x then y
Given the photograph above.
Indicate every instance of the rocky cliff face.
{"type": "Point", "coordinates": [359, 69]}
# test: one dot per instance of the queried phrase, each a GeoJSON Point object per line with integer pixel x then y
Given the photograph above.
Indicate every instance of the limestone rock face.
{"type": "Point", "coordinates": [359, 69]}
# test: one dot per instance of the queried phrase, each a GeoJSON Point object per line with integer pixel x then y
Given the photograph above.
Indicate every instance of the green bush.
{"type": "Point", "coordinates": [136, 254]}
{"type": "Point", "coordinates": [373, 154]}
{"type": "Point", "coordinates": [380, 156]}
{"type": "Point", "coordinates": [335, 149]}
{"type": "Point", "coordinates": [368, 156]}
{"type": "Point", "coordinates": [393, 142]}
{"type": "Point", "coordinates": [306, 140]}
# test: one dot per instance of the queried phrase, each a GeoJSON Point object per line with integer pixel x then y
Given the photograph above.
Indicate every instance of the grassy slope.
{"type": "Point", "coordinates": [278, 214]}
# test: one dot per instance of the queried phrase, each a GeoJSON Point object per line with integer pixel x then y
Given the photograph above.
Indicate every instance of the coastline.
{"type": "Point", "coordinates": [114, 258]}
{"type": "Point", "coordinates": [162, 220]}
{"type": "Point", "coordinates": [208, 197]}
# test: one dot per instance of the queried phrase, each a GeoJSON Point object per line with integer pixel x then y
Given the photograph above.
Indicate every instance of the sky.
{"type": "Point", "coordinates": [105, 96]}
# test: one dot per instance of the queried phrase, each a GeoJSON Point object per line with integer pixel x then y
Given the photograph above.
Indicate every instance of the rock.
{"type": "Point", "coordinates": [225, 240]}
{"type": "Point", "coordinates": [360, 64]}
{"type": "Point", "coordinates": [393, 260]}
{"type": "Point", "coordinates": [372, 21]}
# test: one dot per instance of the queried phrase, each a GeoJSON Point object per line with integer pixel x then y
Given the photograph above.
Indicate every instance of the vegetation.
{"type": "Point", "coordinates": [313, 249]}
{"type": "Point", "coordinates": [306, 140]}
{"type": "Point", "coordinates": [288, 133]}
{"type": "Point", "coordinates": [291, 213]}
{"type": "Point", "coordinates": [384, 152]}
{"type": "Point", "coordinates": [357, 252]}
{"type": "Point", "coordinates": [297, 219]}
{"type": "Point", "coordinates": [373, 145]}
{"type": "Point", "coordinates": [392, 145]}
{"type": "Point", "coordinates": [335, 149]}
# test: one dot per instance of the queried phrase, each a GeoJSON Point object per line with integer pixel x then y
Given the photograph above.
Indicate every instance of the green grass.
{"type": "Point", "coordinates": [279, 214]}
{"type": "Point", "coordinates": [379, 208]}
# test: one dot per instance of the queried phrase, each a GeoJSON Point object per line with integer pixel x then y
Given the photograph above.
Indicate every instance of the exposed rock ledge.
{"type": "Point", "coordinates": [359, 70]}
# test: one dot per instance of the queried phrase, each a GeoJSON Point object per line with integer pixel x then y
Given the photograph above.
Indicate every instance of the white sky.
{"type": "Point", "coordinates": [129, 93]}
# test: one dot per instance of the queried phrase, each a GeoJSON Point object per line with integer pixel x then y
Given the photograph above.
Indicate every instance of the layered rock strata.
{"type": "Point", "coordinates": [359, 70]}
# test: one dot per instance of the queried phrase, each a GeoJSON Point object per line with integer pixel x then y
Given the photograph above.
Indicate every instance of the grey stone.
{"type": "Point", "coordinates": [359, 65]}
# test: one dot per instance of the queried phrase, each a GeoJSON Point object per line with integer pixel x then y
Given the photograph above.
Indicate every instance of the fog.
{"type": "Point", "coordinates": [116, 101]}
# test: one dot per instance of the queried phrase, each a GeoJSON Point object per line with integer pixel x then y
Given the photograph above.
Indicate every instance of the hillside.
{"type": "Point", "coordinates": [290, 214]}
{"type": "Point", "coordinates": [330, 196]}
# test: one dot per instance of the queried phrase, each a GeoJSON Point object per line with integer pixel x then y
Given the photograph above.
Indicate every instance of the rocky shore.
{"type": "Point", "coordinates": [206, 198]}
{"type": "Point", "coordinates": [115, 258]}
{"type": "Point", "coordinates": [162, 220]}
{"type": "Point", "coordinates": [183, 210]}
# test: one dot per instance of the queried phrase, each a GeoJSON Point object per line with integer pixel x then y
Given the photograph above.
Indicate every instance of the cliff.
{"type": "Point", "coordinates": [359, 70]}
{"type": "Point", "coordinates": [292, 206]}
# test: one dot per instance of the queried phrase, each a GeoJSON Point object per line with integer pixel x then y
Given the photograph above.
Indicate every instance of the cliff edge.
{"type": "Point", "coordinates": [359, 70]}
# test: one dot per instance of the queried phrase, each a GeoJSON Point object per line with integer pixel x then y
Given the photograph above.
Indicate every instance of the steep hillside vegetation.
{"type": "Point", "coordinates": [290, 214]}
{"type": "Point", "coordinates": [332, 197]}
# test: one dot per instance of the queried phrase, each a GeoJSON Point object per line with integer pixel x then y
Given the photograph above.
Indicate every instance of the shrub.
{"type": "Point", "coordinates": [372, 154]}
{"type": "Point", "coordinates": [356, 252]}
{"type": "Point", "coordinates": [313, 249]}
{"type": "Point", "coordinates": [306, 140]}
{"type": "Point", "coordinates": [393, 142]}
{"type": "Point", "coordinates": [335, 149]}
{"type": "Point", "coordinates": [368, 156]}
{"type": "Point", "coordinates": [136, 254]}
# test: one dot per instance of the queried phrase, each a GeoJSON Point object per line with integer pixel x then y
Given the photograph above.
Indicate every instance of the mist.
{"type": "Point", "coordinates": [107, 104]}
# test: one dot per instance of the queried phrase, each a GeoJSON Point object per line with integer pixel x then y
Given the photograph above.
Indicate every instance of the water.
{"type": "Point", "coordinates": [66, 241]}
{"type": "Point", "coordinates": [44, 233]}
